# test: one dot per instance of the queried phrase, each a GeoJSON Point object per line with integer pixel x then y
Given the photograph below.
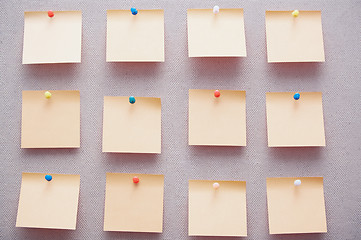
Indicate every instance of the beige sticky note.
{"type": "Point", "coordinates": [217, 212]}
{"type": "Point", "coordinates": [217, 121]}
{"type": "Point", "coordinates": [295, 123]}
{"type": "Point", "coordinates": [294, 39]}
{"type": "Point", "coordinates": [134, 207]}
{"type": "Point", "coordinates": [296, 209]}
{"type": "Point", "coordinates": [52, 204]}
{"type": "Point", "coordinates": [52, 40]}
{"type": "Point", "coordinates": [132, 128]}
{"type": "Point", "coordinates": [216, 35]}
{"type": "Point", "coordinates": [135, 38]}
{"type": "Point", "coordinates": [50, 123]}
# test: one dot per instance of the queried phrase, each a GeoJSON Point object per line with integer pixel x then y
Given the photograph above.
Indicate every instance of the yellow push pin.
{"type": "Point", "coordinates": [295, 13]}
{"type": "Point", "coordinates": [47, 94]}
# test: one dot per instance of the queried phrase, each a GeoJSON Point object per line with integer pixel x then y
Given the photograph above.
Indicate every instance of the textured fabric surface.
{"type": "Point", "coordinates": [338, 78]}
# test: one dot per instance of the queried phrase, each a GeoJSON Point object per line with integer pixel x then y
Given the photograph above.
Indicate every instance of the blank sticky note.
{"type": "Point", "coordinates": [132, 128]}
{"type": "Point", "coordinates": [216, 35]}
{"type": "Point", "coordinates": [134, 207]}
{"type": "Point", "coordinates": [294, 39]}
{"type": "Point", "coordinates": [296, 209]}
{"type": "Point", "coordinates": [135, 38]}
{"type": "Point", "coordinates": [217, 212]}
{"type": "Point", "coordinates": [52, 40]}
{"type": "Point", "coordinates": [295, 123]}
{"type": "Point", "coordinates": [50, 123]}
{"type": "Point", "coordinates": [217, 121]}
{"type": "Point", "coordinates": [48, 204]}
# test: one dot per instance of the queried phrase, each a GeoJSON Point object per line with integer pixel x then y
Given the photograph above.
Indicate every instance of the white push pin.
{"type": "Point", "coordinates": [297, 182]}
{"type": "Point", "coordinates": [215, 9]}
{"type": "Point", "coordinates": [216, 185]}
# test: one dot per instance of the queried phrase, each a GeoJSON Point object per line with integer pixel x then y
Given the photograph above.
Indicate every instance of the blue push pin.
{"type": "Point", "coordinates": [132, 99]}
{"type": "Point", "coordinates": [296, 96]}
{"type": "Point", "coordinates": [134, 11]}
{"type": "Point", "coordinates": [48, 178]}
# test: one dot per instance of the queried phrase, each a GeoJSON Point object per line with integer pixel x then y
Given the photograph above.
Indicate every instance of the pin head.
{"type": "Point", "coordinates": [297, 182]}
{"type": "Point", "coordinates": [47, 94]}
{"type": "Point", "coordinates": [295, 13]}
{"type": "Point", "coordinates": [132, 99]}
{"type": "Point", "coordinates": [134, 11]}
{"type": "Point", "coordinates": [296, 96]}
{"type": "Point", "coordinates": [216, 185]}
{"type": "Point", "coordinates": [50, 13]}
{"type": "Point", "coordinates": [135, 179]}
{"type": "Point", "coordinates": [48, 178]}
{"type": "Point", "coordinates": [217, 93]}
{"type": "Point", "coordinates": [215, 9]}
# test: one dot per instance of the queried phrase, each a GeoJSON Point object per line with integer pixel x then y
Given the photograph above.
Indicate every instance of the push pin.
{"type": "Point", "coordinates": [50, 13]}
{"type": "Point", "coordinates": [48, 178]}
{"type": "Point", "coordinates": [295, 13]}
{"type": "Point", "coordinates": [216, 185]}
{"type": "Point", "coordinates": [217, 93]}
{"type": "Point", "coordinates": [134, 11]}
{"type": "Point", "coordinates": [296, 96]}
{"type": "Point", "coordinates": [47, 94]}
{"type": "Point", "coordinates": [297, 182]}
{"type": "Point", "coordinates": [132, 100]}
{"type": "Point", "coordinates": [215, 9]}
{"type": "Point", "coordinates": [135, 180]}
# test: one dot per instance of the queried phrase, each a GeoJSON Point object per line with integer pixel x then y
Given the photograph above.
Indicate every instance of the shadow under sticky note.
{"type": "Point", "coordinates": [296, 209]}
{"type": "Point", "coordinates": [132, 128]}
{"type": "Point", "coordinates": [216, 35]}
{"type": "Point", "coordinates": [292, 123]}
{"type": "Point", "coordinates": [217, 212]}
{"type": "Point", "coordinates": [135, 38]}
{"type": "Point", "coordinates": [44, 204]}
{"type": "Point", "coordinates": [134, 207]}
{"type": "Point", "coordinates": [294, 39]}
{"type": "Point", "coordinates": [52, 40]}
{"type": "Point", "coordinates": [50, 123]}
{"type": "Point", "coordinates": [217, 121]}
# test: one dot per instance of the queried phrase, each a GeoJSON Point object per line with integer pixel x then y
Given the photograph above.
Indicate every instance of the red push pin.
{"type": "Point", "coordinates": [50, 13]}
{"type": "Point", "coordinates": [217, 93]}
{"type": "Point", "coordinates": [135, 180]}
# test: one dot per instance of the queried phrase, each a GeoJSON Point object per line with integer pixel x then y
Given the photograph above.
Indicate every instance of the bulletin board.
{"type": "Point", "coordinates": [338, 78]}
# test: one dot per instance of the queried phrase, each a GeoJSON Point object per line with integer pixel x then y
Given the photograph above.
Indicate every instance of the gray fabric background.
{"type": "Point", "coordinates": [338, 78]}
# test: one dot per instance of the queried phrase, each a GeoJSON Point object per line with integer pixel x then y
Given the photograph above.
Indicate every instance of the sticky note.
{"type": "Point", "coordinates": [295, 123]}
{"type": "Point", "coordinates": [132, 128]}
{"type": "Point", "coordinates": [216, 35]}
{"type": "Point", "coordinates": [217, 121]}
{"type": "Point", "coordinates": [135, 38]}
{"type": "Point", "coordinates": [50, 122]}
{"type": "Point", "coordinates": [52, 40]}
{"type": "Point", "coordinates": [134, 207]}
{"type": "Point", "coordinates": [52, 204]}
{"type": "Point", "coordinates": [294, 39]}
{"type": "Point", "coordinates": [217, 212]}
{"type": "Point", "coordinates": [296, 209]}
